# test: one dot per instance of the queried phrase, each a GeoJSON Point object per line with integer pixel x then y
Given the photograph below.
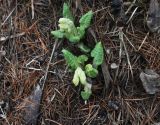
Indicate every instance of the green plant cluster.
{"type": "Point", "coordinates": [68, 30]}
{"type": "Point", "coordinates": [79, 64]}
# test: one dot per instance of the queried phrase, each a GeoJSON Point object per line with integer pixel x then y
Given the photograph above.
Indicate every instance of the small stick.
{"type": "Point", "coordinates": [128, 59]}
{"type": "Point", "coordinates": [46, 73]}
{"type": "Point", "coordinates": [143, 41]}
{"type": "Point", "coordinates": [120, 56]}
{"type": "Point", "coordinates": [7, 17]}
{"type": "Point", "coordinates": [100, 10]}
{"type": "Point", "coordinates": [132, 15]}
{"type": "Point", "coordinates": [130, 7]}
{"type": "Point", "coordinates": [32, 6]}
{"type": "Point", "coordinates": [54, 122]}
{"type": "Point", "coordinates": [11, 37]}
{"type": "Point", "coordinates": [129, 41]}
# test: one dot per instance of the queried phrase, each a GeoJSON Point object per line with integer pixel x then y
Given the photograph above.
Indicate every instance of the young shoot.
{"type": "Point", "coordinates": [82, 66]}
{"type": "Point", "coordinates": [67, 28]}
{"type": "Point", "coordinates": [82, 71]}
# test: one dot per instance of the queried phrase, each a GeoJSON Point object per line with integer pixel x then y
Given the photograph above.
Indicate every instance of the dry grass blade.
{"type": "Point", "coordinates": [126, 52]}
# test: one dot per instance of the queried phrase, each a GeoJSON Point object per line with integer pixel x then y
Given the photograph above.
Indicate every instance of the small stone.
{"type": "Point", "coordinates": [150, 81]}
{"type": "Point", "coordinates": [114, 66]}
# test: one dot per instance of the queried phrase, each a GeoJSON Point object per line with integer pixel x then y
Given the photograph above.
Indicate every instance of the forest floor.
{"type": "Point", "coordinates": [29, 56]}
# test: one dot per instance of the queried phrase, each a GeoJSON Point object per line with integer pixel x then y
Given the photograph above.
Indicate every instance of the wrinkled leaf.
{"type": "Point", "coordinates": [66, 25]}
{"type": "Point", "coordinates": [98, 54]}
{"type": "Point", "coordinates": [82, 77]}
{"type": "Point", "coordinates": [85, 20]}
{"type": "Point", "coordinates": [81, 32]}
{"type": "Point", "coordinates": [90, 71]}
{"type": "Point", "coordinates": [70, 59]}
{"type": "Point", "coordinates": [87, 92]}
{"type": "Point", "coordinates": [76, 77]}
{"type": "Point", "coordinates": [73, 61]}
{"type": "Point", "coordinates": [79, 76]}
{"type": "Point", "coordinates": [85, 95]}
{"type": "Point", "coordinates": [66, 12]}
{"type": "Point", "coordinates": [69, 30]}
{"type": "Point", "coordinates": [57, 34]}
{"type": "Point", "coordinates": [82, 59]}
{"type": "Point", "coordinates": [151, 81]}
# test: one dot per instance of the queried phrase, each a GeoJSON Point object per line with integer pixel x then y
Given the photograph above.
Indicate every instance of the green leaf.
{"type": "Point", "coordinates": [85, 20]}
{"type": "Point", "coordinates": [76, 78]}
{"type": "Point", "coordinates": [57, 34]}
{"type": "Point", "coordinates": [83, 48]}
{"type": "Point", "coordinates": [68, 28]}
{"type": "Point", "coordinates": [70, 59]}
{"type": "Point", "coordinates": [87, 92]}
{"type": "Point", "coordinates": [79, 76]}
{"type": "Point", "coordinates": [81, 32]}
{"type": "Point", "coordinates": [73, 61]}
{"type": "Point", "coordinates": [82, 76]}
{"type": "Point", "coordinates": [82, 59]}
{"type": "Point", "coordinates": [90, 71]}
{"type": "Point", "coordinates": [66, 12]}
{"type": "Point", "coordinates": [98, 54]}
{"type": "Point", "coordinates": [72, 38]}
{"type": "Point", "coordinates": [85, 95]}
{"type": "Point", "coordinates": [66, 25]}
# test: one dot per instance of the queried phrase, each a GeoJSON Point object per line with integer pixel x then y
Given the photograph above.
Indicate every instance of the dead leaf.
{"type": "Point", "coordinates": [106, 74]}
{"type": "Point", "coordinates": [153, 20]}
{"type": "Point", "coordinates": [31, 106]}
